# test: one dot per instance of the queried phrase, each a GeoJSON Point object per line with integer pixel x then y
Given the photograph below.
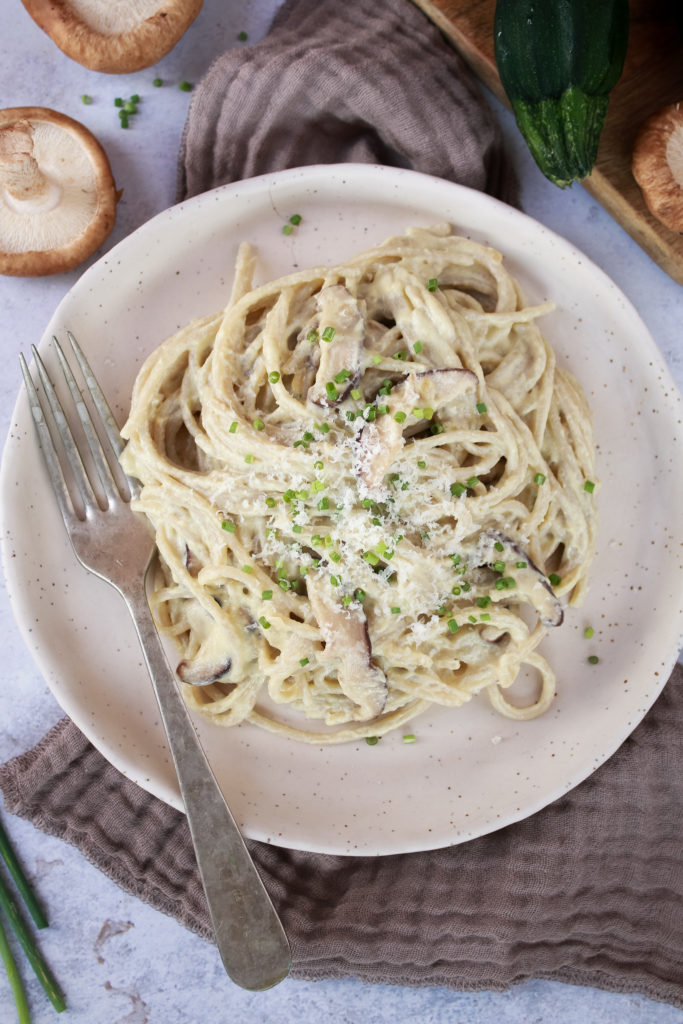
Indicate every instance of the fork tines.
{"type": "Point", "coordinates": [81, 482]}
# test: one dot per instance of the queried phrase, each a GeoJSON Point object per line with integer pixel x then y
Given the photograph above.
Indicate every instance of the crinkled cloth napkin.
{"type": "Point", "coordinates": [587, 891]}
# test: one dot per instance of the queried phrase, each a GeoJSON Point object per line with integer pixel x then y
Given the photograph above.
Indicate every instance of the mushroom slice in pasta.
{"type": "Point", "coordinates": [347, 642]}
{"type": "Point", "coordinates": [380, 440]}
{"type": "Point", "coordinates": [210, 663]}
{"type": "Point", "coordinates": [342, 337]}
{"type": "Point", "coordinates": [530, 582]}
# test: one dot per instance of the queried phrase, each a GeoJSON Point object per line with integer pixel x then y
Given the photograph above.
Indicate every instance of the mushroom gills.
{"type": "Point", "coordinates": [347, 642]}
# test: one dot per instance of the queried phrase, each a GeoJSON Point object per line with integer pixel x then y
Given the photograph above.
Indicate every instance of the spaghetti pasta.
{"type": "Point", "coordinates": [372, 490]}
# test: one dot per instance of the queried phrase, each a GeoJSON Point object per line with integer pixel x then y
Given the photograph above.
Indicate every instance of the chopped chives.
{"type": "Point", "coordinates": [472, 618]}
{"type": "Point", "coordinates": [295, 219]}
{"type": "Point", "coordinates": [589, 486]}
{"type": "Point", "coordinates": [334, 580]}
{"type": "Point", "coordinates": [428, 412]}
{"type": "Point", "coordinates": [157, 82]}
{"type": "Point", "coordinates": [242, 36]}
{"type": "Point", "coordinates": [473, 481]}
{"type": "Point", "coordinates": [409, 737]}
{"type": "Point", "coordinates": [335, 556]}
{"type": "Point", "coordinates": [267, 595]}
{"type": "Point", "coordinates": [593, 659]}
{"type": "Point", "coordinates": [356, 394]}
{"type": "Point", "coordinates": [481, 407]}
{"type": "Point", "coordinates": [418, 414]}
{"type": "Point", "coordinates": [228, 525]}
{"type": "Point", "coordinates": [287, 229]}
{"type": "Point", "coordinates": [118, 102]}
{"type": "Point", "coordinates": [303, 662]}
{"type": "Point", "coordinates": [432, 284]}
{"type": "Point", "coordinates": [274, 376]}
{"type": "Point", "coordinates": [342, 376]}
{"type": "Point", "coordinates": [455, 591]}
{"type": "Point", "coordinates": [296, 528]}
{"type": "Point", "coordinates": [331, 390]}
{"type": "Point", "coordinates": [247, 569]}
{"type": "Point", "coordinates": [377, 360]}
{"type": "Point", "coordinates": [233, 427]}
{"type": "Point", "coordinates": [324, 428]}
{"type": "Point", "coordinates": [370, 557]}
{"type": "Point", "coordinates": [483, 602]}
{"type": "Point", "coordinates": [457, 489]}
{"type": "Point", "coordinates": [520, 565]}
{"type": "Point", "coordinates": [452, 626]}
{"type": "Point", "coordinates": [264, 622]}
{"type": "Point", "coordinates": [359, 595]}
{"type": "Point", "coordinates": [395, 611]}
{"type": "Point", "coordinates": [499, 566]}
{"type": "Point", "coordinates": [555, 579]}
{"type": "Point", "coordinates": [317, 485]}
{"type": "Point", "coordinates": [249, 458]}
{"type": "Point", "coordinates": [589, 632]}
{"type": "Point", "coordinates": [328, 334]}
{"type": "Point", "coordinates": [185, 86]}
{"type": "Point", "coordinates": [372, 741]}
{"type": "Point", "coordinates": [401, 354]}
{"type": "Point", "coordinates": [323, 504]}
{"type": "Point", "coordinates": [399, 416]}
{"type": "Point", "coordinates": [367, 502]}
{"type": "Point", "coordinates": [87, 100]}
{"type": "Point", "coordinates": [498, 546]}
{"type": "Point", "coordinates": [417, 347]}
{"type": "Point", "coordinates": [259, 425]}
{"type": "Point", "coordinates": [313, 336]}
{"type": "Point", "coordinates": [350, 415]}
{"type": "Point", "coordinates": [421, 464]}
{"type": "Point", "coordinates": [539, 478]}
{"type": "Point", "coordinates": [485, 617]}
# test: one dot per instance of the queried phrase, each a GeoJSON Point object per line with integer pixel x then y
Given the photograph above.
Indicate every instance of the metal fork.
{"type": "Point", "coordinates": [115, 543]}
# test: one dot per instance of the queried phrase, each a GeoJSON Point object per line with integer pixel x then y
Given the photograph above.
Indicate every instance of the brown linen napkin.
{"type": "Point", "coordinates": [340, 82]}
{"type": "Point", "coordinates": [587, 891]}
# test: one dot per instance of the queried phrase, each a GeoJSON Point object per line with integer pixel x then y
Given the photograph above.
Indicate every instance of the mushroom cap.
{"type": "Point", "coordinates": [114, 37]}
{"type": "Point", "coordinates": [657, 164]}
{"type": "Point", "coordinates": [56, 230]}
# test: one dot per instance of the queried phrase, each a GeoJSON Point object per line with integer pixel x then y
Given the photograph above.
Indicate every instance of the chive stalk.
{"type": "Point", "coordinates": [14, 978]}
{"type": "Point", "coordinates": [27, 943]}
{"type": "Point", "coordinates": [21, 881]}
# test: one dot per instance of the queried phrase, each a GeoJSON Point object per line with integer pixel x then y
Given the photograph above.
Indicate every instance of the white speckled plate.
{"type": "Point", "coordinates": [470, 771]}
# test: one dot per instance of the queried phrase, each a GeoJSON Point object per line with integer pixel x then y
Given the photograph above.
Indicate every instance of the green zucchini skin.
{"type": "Point", "coordinates": [558, 60]}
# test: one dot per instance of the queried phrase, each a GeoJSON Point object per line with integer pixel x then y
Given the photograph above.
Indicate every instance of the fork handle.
{"type": "Point", "coordinates": [249, 935]}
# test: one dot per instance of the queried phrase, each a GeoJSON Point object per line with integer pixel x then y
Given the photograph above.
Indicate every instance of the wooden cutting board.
{"type": "Point", "coordinates": [652, 78]}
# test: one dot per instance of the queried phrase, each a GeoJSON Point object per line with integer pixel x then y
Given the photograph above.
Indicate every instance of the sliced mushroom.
{"type": "Point", "coordinates": [338, 309]}
{"type": "Point", "coordinates": [657, 165]}
{"type": "Point", "coordinates": [114, 37]}
{"type": "Point", "coordinates": [347, 642]}
{"type": "Point", "coordinates": [380, 440]}
{"type": "Point", "coordinates": [57, 193]}
{"type": "Point", "coordinates": [210, 663]}
{"type": "Point", "coordinates": [530, 582]}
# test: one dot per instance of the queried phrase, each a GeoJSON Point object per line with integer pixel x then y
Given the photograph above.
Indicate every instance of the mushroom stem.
{"type": "Point", "coordinates": [20, 174]}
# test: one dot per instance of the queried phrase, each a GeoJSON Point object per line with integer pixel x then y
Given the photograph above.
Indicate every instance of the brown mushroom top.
{"type": "Point", "coordinates": [114, 37]}
{"type": "Point", "coordinates": [57, 193]}
{"type": "Point", "coordinates": [657, 165]}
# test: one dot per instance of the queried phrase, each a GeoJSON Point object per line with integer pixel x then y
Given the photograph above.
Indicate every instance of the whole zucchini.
{"type": "Point", "coordinates": [558, 61]}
